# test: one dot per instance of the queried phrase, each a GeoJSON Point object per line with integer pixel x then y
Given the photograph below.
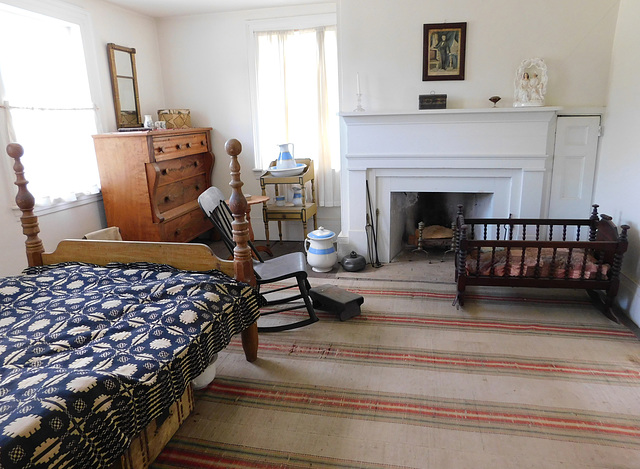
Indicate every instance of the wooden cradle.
{"type": "Point", "coordinates": [543, 253]}
{"type": "Point", "coordinates": [185, 256]}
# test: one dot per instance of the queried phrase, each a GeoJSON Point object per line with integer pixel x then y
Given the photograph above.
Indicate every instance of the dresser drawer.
{"type": "Point", "coordinates": [173, 170]}
{"type": "Point", "coordinates": [170, 196]}
{"type": "Point", "coordinates": [165, 148]}
{"type": "Point", "coordinates": [185, 227]}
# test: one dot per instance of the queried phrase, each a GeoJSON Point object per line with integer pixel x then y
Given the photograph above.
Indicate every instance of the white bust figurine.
{"type": "Point", "coordinates": [530, 83]}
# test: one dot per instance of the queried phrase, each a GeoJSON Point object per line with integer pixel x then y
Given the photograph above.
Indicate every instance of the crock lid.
{"type": "Point", "coordinates": [321, 233]}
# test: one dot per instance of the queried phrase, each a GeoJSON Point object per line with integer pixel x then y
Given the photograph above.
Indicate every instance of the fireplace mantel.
{"type": "Point", "coordinates": [488, 110]}
{"type": "Point", "coordinates": [503, 151]}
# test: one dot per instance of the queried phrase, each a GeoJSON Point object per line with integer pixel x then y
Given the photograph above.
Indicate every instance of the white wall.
{"type": "Point", "coordinates": [382, 41]}
{"type": "Point", "coordinates": [617, 181]}
{"type": "Point", "coordinates": [111, 24]}
{"type": "Point", "coordinates": [205, 61]}
{"type": "Point", "coordinates": [125, 28]}
{"type": "Point", "coordinates": [206, 69]}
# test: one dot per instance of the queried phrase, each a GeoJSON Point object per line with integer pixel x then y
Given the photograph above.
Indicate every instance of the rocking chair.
{"type": "Point", "coordinates": [267, 271]}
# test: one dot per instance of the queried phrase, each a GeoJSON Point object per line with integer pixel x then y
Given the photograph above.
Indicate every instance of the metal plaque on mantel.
{"type": "Point", "coordinates": [432, 101]}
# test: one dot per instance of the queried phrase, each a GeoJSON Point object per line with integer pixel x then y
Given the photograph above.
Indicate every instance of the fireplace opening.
{"type": "Point", "coordinates": [436, 211]}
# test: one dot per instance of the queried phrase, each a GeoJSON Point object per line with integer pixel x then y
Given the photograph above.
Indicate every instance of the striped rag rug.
{"type": "Point", "coordinates": [515, 379]}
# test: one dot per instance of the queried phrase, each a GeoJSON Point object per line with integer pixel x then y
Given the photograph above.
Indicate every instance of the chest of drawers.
{"type": "Point", "coordinates": [151, 181]}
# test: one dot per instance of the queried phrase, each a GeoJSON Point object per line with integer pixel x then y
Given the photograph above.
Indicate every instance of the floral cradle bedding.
{"type": "Point", "coordinates": [537, 262]}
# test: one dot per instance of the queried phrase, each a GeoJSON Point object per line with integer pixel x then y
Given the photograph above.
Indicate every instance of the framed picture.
{"type": "Point", "coordinates": [444, 51]}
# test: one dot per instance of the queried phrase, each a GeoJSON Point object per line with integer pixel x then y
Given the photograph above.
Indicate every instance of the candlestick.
{"type": "Point", "coordinates": [359, 107]}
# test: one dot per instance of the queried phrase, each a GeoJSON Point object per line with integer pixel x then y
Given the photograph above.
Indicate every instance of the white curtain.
{"type": "Point", "coordinates": [48, 105]}
{"type": "Point", "coordinates": [297, 93]}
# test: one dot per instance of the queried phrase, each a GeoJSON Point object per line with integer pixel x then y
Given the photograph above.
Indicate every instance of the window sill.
{"type": "Point", "coordinates": [257, 172]}
{"type": "Point", "coordinates": [62, 206]}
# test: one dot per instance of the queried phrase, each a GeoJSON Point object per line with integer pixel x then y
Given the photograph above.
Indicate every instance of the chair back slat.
{"type": "Point", "coordinates": [226, 215]}
{"type": "Point", "coordinates": [210, 201]}
{"type": "Point", "coordinates": [213, 203]}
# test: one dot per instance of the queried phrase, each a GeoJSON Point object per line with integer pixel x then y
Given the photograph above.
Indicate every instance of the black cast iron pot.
{"type": "Point", "coordinates": [353, 262]}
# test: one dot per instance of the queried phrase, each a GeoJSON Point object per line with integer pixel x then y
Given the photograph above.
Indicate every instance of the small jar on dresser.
{"type": "Point", "coordinates": [151, 180]}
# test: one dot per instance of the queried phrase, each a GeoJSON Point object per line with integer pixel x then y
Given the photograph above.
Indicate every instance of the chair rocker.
{"type": "Point", "coordinates": [280, 268]}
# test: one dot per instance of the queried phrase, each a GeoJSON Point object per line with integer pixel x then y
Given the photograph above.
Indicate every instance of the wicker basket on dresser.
{"type": "Point", "coordinates": [151, 181]}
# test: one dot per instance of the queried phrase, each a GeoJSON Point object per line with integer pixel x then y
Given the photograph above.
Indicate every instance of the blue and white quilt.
{"type": "Point", "coordinates": [90, 355]}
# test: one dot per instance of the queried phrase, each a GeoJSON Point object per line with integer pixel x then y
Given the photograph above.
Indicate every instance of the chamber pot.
{"type": "Point", "coordinates": [321, 252]}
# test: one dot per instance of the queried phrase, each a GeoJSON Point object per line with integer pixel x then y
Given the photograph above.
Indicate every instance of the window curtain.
{"type": "Point", "coordinates": [44, 90]}
{"type": "Point", "coordinates": [297, 93]}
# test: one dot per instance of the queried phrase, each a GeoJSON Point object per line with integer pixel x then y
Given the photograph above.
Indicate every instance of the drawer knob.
{"type": "Point", "coordinates": [197, 188]}
{"type": "Point", "coordinates": [167, 199]}
{"type": "Point", "coordinates": [188, 145]}
{"type": "Point", "coordinates": [163, 172]}
{"type": "Point", "coordinates": [160, 150]}
{"type": "Point", "coordinates": [179, 146]}
{"type": "Point", "coordinates": [195, 164]}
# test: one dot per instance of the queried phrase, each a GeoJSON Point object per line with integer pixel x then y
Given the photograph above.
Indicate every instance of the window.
{"type": "Point", "coordinates": [296, 96]}
{"type": "Point", "coordinates": [48, 108]}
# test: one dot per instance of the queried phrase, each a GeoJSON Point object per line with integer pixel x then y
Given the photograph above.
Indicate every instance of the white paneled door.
{"type": "Point", "coordinates": [574, 165]}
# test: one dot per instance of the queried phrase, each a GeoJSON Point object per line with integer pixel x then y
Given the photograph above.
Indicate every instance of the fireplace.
{"type": "Point", "coordinates": [437, 212]}
{"type": "Point", "coordinates": [499, 159]}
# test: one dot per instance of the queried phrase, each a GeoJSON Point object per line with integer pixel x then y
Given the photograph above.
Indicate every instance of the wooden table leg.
{"type": "Point", "coordinates": [266, 249]}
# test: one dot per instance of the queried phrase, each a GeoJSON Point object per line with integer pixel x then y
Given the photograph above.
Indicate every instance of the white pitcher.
{"type": "Point", "coordinates": [297, 194]}
{"type": "Point", "coordinates": [321, 253]}
{"type": "Point", "coordinates": [285, 158]}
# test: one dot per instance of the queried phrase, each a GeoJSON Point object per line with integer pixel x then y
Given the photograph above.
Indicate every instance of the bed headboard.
{"type": "Point", "coordinates": [188, 256]}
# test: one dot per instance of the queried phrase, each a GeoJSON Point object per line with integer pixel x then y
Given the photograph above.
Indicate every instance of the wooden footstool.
{"type": "Point", "coordinates": [332, 298]}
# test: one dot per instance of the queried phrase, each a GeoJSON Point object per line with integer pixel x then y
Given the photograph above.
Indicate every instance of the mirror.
{"type": "Point", "coordinates": [124, 84]}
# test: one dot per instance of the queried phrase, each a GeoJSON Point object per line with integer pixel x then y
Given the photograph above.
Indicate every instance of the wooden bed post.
{"type": "Point", "coordinates": [26, 202]}
{"type": "Point", "coordinates": [243, 262]}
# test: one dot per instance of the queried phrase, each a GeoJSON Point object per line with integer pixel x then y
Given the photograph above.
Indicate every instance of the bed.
{"type": "Point", "coordinates": [99, 340]}
{"type": "Point", "coordinates": [545, 253]}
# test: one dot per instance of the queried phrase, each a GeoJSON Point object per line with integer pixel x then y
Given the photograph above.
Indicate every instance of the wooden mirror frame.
{"type": "Point", "coordinates": [136, 117]}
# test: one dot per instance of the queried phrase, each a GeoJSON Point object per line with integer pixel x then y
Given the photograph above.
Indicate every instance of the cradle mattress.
{"type": "Point", "coordinates": [543, 262]}
{"type": "Point", "coordinates": [90, 355]}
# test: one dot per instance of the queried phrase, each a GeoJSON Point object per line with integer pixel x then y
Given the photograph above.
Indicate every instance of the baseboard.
{"type": "Point", "coordinates": [628, 298]}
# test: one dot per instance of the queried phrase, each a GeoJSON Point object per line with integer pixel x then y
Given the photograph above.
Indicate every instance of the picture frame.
{"type": "Point", "coordinates": [444, 51]}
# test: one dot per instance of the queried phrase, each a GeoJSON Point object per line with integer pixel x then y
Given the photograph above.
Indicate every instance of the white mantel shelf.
{"type": "Point", "coordinates": [489, 110]}
{"type": "Point", "coordinates": [506, 152]}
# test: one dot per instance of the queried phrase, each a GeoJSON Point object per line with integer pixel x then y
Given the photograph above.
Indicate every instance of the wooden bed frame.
{"type": "Point", "coordinates": [187, 256]}
{"type": "Point", "coordinates": [600, 239]}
